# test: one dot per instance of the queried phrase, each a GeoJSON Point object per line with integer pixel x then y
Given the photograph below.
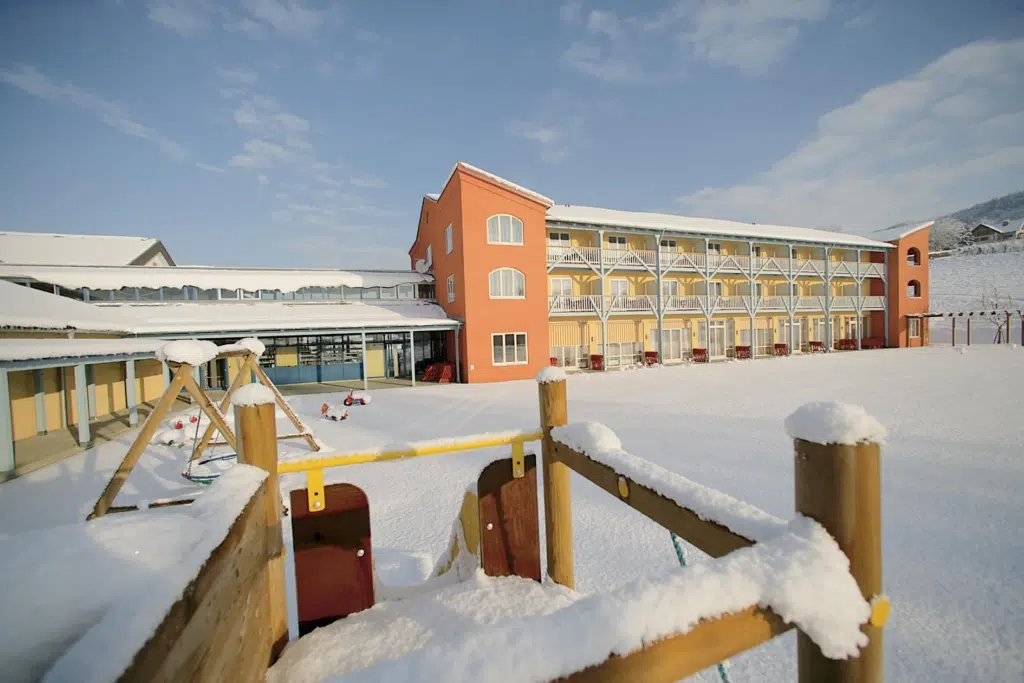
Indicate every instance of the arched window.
{"type": "Point", "coordinates": [914, 289]}
{"type": "Point", "coordinates": [913, 256]}
{"type": "Point", "coordinates": [507, 283]}
{"type": "Point", "coordinates": [504, 229]}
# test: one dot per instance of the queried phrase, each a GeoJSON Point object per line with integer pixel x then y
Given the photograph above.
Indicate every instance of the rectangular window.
{"type": "Point", "coordinates": [717, 289]}
{"type": "Point", "coordinates": [617, 242]}
{"type": "Point", "coordinates": [451, 288]}
{"type": "Point", "coordinates": [670, 287]}
{"type": "Point", "coordinates": [714, 248]}
{"type": "Point", "coordinates": [915, 328]}
{"type": "Point", "coordinates": [430, 255]}
{"type": "Point", "coordinates": [619, 287]}
{"type": "Point", "coordinates": [407, 291]}
{"type": "Point", "coordinates": [757, 252]}
{"type": "Point", "coordinates": [561, 286]}
{"type": "Point", "coordinates": [668, 244]}
{"type": "Point", "coordinates": [449, 244]}
{"type": "Point", "coordinates": [558, 239]}
{"type": "Point", "coordinates": [509, 348]}
{"type": "Point", "coordinates": [386, 293]}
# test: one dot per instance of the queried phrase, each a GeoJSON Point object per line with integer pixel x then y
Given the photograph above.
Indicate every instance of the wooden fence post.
{"type": "Point", "coordinates": [557, 497]}
{"type": "Point", "coordinates": [256, 434]}
{"type": "Point", "coordinates": [839, 487]}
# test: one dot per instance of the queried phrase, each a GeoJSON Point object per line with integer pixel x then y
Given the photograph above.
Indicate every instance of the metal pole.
{"type": "Point", "coordinates": [707, 298]}
{"type": "Point", "coordinates": [6, 425]}
{"type": "Point", "coordinates": [828, 292]}
{"type": "Point", "coordinates": [362, 341]}
{"type": "Point", "coordinates": [412, 356]}
{"type": "Point", "coordinates": [82, 406]}
{"type": "Point", "coordinates": [41, 402]}
{"type": "Point", "coordinates": [167, 374]}
{"type": "Point", "coordinates": [885, 299]}
{"type": "Point", "coordinates": [458, 364]}
{"type": "Point", "coordinates": [90, 374]}
{"type": "Point", "coordinates": [660, 314]}
{"type": "Point", "coordinates": [129, 390]}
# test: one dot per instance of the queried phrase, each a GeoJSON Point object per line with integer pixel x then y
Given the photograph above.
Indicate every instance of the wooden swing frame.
{"type": "Point", "coordinates": [183, 378]}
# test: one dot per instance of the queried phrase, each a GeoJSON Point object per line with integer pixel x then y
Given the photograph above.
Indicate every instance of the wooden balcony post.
{"type": "Point", "coordinates": [256, 434]}
{"type": "Point", "coordinates": [839, 487]}
{"type": "Point", "coordinates": [557, 500]}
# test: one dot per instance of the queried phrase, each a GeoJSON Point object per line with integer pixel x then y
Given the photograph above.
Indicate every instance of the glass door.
{"type": "Point", "coordinates": [671, 345]}
{"type": "Point", "coordinates": [718, 346]}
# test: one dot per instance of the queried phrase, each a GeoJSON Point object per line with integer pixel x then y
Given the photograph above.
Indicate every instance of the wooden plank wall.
{"type": "Point", "coordinates": [220, 629]}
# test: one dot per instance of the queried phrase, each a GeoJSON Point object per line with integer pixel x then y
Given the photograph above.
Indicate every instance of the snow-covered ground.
{"type": "Point", "coordinates": [952, 472]}
{"type": "Point", "coordinates": [979, 282]}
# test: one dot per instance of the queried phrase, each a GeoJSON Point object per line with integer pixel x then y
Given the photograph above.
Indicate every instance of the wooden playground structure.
{"type": "Point", "coordinates": [231, 624]}
{"type": "Point", "coordinates": [183, 378]}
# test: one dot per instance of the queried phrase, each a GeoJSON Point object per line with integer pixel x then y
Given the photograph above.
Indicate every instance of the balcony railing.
{"type": "Point", "coordinates": [647, 303]}
{"type": "Point", "coordinates": [695, 262]}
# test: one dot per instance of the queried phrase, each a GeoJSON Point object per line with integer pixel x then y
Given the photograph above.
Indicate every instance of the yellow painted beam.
{"type": "Point", "coordinates": [468, 443]}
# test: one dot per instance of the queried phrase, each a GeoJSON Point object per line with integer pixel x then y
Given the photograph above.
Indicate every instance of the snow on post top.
{"type": "Point", "coordinates": [252, 344]}
{"type": "Point", "coordinates": [550, 374]}
{"type": "Point", "coordinates": [190, 351]}
{"type": "Point", "coordinates": [832, 422]}
{"type": "Point", "coordinates": [252, 395]}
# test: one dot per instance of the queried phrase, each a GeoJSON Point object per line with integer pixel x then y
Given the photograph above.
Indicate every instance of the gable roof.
{"type": "Point", "coordinates": [28, 308]}
{"type": "Point", "coordinates": [1012, 225]}
{"type": "Point", "coordinates": [41, 248]}
{"type": "Point", "coordinates": [612, 218]}
{"type": "Point", "coordinates": [900, 230]}
{"type": "Point", "coordinates": [499, 181]}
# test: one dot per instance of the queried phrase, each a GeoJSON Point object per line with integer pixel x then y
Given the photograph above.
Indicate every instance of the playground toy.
{"type": "Point", "coordinates": [822, 569]}
{"type": "Point", "coordinates": [358, 398]}
{"type": "Point", "coordinates": [333, 413]}
{"type": "Point", "coordinates": [184, 367]}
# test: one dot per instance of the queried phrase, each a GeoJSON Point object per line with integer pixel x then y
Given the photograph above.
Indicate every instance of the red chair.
{"type": "Point", "coordinates": [816, 346]}
{"type": "Point", "coordinates": [651, 357]}
{"type": "Point", "coordinates": [553, 361]}
{"type": "Point", "coordinates": [743, 353]}
{"type": "Point", "coordinates": [596, 361]}
{"type": "Point", "coordinates": [782, 349]}
{"type": "Point", "coordinates": [700, 355]}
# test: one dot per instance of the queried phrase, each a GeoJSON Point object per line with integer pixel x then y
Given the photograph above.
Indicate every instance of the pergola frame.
{"type": "Point", "coordinates": [183, 378]}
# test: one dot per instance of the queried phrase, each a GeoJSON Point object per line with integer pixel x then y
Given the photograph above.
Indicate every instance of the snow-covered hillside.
{"type": "Point", "coordinates": [982, 282]}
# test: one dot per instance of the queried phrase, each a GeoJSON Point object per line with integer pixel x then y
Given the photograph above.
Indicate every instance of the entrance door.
{"type": "Point", "coordinates": [672, 345]}
{"type": "Point", "coordinates": [717, 340]}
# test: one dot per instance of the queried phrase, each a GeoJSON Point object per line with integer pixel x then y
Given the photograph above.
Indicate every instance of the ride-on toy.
{"type": "Point", "coordinates": [355, 397]}
{"type": "Point", "coordinates": [333, 413]}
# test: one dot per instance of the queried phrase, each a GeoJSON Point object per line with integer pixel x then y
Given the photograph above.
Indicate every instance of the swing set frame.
{"type": "Point", "coordinates": [183, 377]}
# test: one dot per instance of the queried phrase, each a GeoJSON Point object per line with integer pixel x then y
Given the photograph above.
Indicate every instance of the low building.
{"type": "Point", "coordinates": [1007, 229]}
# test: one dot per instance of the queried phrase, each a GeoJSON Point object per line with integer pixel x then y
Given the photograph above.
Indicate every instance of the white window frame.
{"type": "Point", "coordinates": [515, 348]}
{"type": "Point", "coordinates": [717, 288]}
{"type": "Point", "coordinates": [757, 251]}
{"type": "Point", "coordinates": [501, 284]}
{"type": "Point", "coordinates": [555, 239]}
{"type": "Point", "coordinates": [495, 223]}
{"type": "Point", "coordinates": [910, 290]}
{"type": "Point", "coordinates": [451, 288]}
{"type": "Point", "coordinates": [715, 248]}
{"type": "Point", "coordinates": [667, 287]}
{"type": "Point", "coordinates": [618, 243]}
{"type": "Point", "coordinates": [612, 286]}
{"type": "Point", "coordinates": [669, 244]}
{"type": "Point", "coordinates": [560, 280]}
{"type": "Point", "coordinates": [430, 255]}
{"type": "Point", "coordinates": [449, 241]}
{"type": "Point", "coordinates": [911, 324]}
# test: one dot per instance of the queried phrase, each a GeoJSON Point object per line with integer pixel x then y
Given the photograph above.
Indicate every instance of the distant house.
{"type": "Point", "coordinates": [997, 232]}
{"type": "Point", "coordinates": [43, 249]}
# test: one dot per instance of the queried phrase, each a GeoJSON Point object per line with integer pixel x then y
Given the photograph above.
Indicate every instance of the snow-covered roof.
{"type": "Point", "coordinates": [257, 316]}
{"type": "Point", "coordinates": [900, 230]}
{"type": "Point", "coordinates": [86, 250]}
{"type": "Point", "coordinates": [206, 277]}
{"type": "Point", "coordinates": [612, 218]}
{"type": "Point", "coordinates": [39, 349]}
{"type": "Point", "coordinates": [498, 180]}
{"type": "Point", "coordinates": [24, 307]}
{"type": "Point", "coordinates": [1005, 226]}
{"type": "Point", "coordinates": [432, 196]}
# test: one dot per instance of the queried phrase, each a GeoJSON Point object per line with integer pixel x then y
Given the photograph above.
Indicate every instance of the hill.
{"type": "Point", "coordinates": [982, 282]}
{"type": "Point", "coordinates": [947, 228]}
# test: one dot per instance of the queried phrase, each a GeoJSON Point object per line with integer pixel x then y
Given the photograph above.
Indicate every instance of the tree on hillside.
{"type": "Point", "coordinates": [945, 234]}
{"type": "Point", "coordinates": [966, 238]}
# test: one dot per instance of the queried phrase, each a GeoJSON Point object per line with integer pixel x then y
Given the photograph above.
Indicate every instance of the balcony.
{"type": "Point", "coordinates": [595, 304]}
{"type": "Point", "coordinates": [590, 257]}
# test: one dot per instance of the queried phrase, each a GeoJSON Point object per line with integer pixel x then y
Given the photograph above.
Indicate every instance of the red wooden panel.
{"type": "Point", "coordinates": [332, 578]}
{"type": "Point", "coordinates": [509, 520]}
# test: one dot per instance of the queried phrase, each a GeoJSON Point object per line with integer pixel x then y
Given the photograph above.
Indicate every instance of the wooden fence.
{"type": "Point", "coordinates": [230, 624]}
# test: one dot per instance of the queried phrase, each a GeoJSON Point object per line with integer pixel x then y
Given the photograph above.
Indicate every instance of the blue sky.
{"type": "Point", "coordinates": [294, 132]}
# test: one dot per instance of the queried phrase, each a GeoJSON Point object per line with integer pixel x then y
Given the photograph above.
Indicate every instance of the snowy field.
{"type": "Point", "coordinates": [953, 559]}
{"type": "Point", "coordinates": [980, 282]}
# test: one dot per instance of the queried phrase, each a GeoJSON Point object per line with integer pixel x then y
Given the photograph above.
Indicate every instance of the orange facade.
{"type": "Point", "coordinates": [909, 290]}
{"type": "Point", "coordinates": [467, 204]}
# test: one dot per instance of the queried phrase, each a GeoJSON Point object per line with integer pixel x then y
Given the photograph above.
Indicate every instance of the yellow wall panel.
{"type": "Point", "coordinates": [51, 398]}
{"type": "Point", "coordinates": [23, 404]}
{"type": "Point", "coordinates": [287, 356]}
{"type": "Point", "coordinates": [109, 379]}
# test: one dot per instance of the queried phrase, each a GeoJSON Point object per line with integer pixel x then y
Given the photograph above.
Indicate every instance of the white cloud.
{"type": "Point", "coordinates": [260, 154]}
{"type": "Point", "coordinates": [239, 77]}
{"type": "Point", "coordinates": [209, 167]}
{"type": "Point", "coordinates": [570, 11]}
{"type": "Point", "coordinates": [555, 127]}
{"type": "Point", "coordinates": [947, 136]}
{"type": "Point", "coordinates": [371, 182]}
{"type": "Point", "coordinates": [31, 80]}
{"type": "Point", "coordinates": [187, 17]}
{"type": "Point", "coordinates": [748, 35]}
{"type": "Point", "coordinates": [264, 180]}
{"type": "Point", "coordinates": [292, 18]}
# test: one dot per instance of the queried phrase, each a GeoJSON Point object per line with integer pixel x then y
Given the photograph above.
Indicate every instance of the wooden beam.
{"type": "Point", "coordinates": [678, 657]}
{"type": "Point", "coordinates": [225, 401]}
{"type": "Point", "coordinates": [713, 538]}
{"type": "Point", "coordinates": [142, 440]}
{"type": "Point", "coordinates": [557, 494]}
{"type": "Point", "coordinates": [206, 405]}
{"type": "Point", "coordinates": [299, 424]}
